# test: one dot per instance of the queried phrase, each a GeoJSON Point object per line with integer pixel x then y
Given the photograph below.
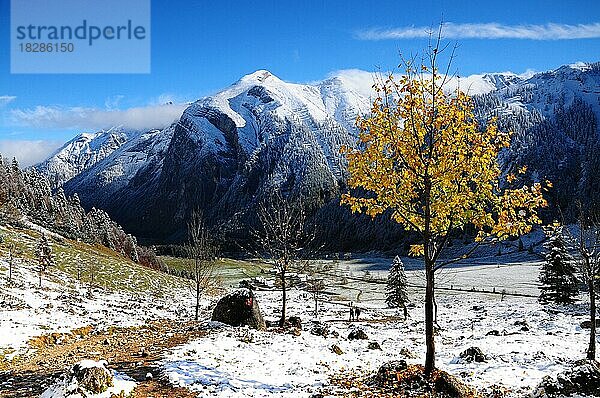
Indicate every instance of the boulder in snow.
{"type": "Point", "coordinates": [448, 385]}
{"type": "Point", "coordinates": [336, 349]}
{"type": "Point", "coordinates": [473, 354]}
{"type": "Point", "coordinates": [406, 353]}
{"type": "Point", "coordinates": [524, 325]}
{"type": "Point", "coordinates": [320, 329]}
{"type": "Point", "coordinates": [358, 334]}
{"type": "Point", "coordinates": [239, 308]}
{"type": "Point", "coordinates": [294, 322]}
{"type": "Point", "coordinates": [398, 377]}
{"type": "Point", "coordinates": [582, 379]}
{"type": "Point", "coordinates": [92, 376]}
{"type": "Point", "coordinates": [388, 372]}
{"type": "Point", "coordinates": [373, 345]}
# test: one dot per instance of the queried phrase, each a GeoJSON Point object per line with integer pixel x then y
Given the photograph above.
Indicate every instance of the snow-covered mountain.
{"type": "Point", "coordinates": [82, 152]}
{"type": "Point", "coordinates": [229, 149]}
{"type": "Point", "coordinates": [223, 152]}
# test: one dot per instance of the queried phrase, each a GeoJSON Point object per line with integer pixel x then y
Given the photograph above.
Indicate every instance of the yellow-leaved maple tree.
{"type": "Point", "coordinates": [422, 156]}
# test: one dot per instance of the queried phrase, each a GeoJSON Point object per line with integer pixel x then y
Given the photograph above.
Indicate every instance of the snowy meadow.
{"type": "Point", "coordinates": [522, 341]}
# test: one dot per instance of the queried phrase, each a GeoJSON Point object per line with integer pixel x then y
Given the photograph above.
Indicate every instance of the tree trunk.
{"type": "Point", "coordinates": [591, 353]}
{"type": "Point", "coordinates": [429, 318]}
{"type": "Point", "coordinates": [283, 299]}
{"type": "Point", "coordinates": [435, 308]}
{"type": "Point", "coordinates": [429, 286]}
{"type": "Point", "coordinates": [197, 299]}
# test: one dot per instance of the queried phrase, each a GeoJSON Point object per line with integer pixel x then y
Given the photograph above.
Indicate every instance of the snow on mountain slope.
{"type": "Point", "coordinates": [117, 169]}
{"type": "Point", "coordinates": [258, 133]}
{"type": "Point", "coordinates": [262, 92]}
{"type": "Point", "coordinates": [362, 81]}
{"type": "Point", "coordinates": [228, 149]}
{"type": "Point", "coordinates": [338, 99]}
{"type": "Point", "coordinates": [82, 152]}
{"type": "Point", "coordinates": [558, 87]}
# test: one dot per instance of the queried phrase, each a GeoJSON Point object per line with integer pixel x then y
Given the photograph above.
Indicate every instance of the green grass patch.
{"type": "Point", "coordinates": [110, 269]}
{"type": "Point", "coordinates": [229, 270]}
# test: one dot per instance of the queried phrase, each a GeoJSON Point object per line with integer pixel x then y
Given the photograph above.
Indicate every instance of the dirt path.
{"type": "Point", "coordinates": [134, 351]}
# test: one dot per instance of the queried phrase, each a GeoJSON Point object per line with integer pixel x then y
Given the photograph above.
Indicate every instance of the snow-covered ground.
{"type": "Point", "coordinates": [531, 341]}
{"type": "Point", "coordinates": [63, 304]}
{"type": "Point", "coordinates": [526, 343]}
{"type": "Point", "coordinates": [69, 387]}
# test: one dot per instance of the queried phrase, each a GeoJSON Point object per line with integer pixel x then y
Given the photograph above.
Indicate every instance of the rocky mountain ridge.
{"type": "Point", "coordinates": [229, 150]}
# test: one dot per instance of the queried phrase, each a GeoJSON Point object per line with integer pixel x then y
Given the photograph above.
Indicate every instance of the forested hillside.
{"type": "Point", "coordinates": [27, 200]}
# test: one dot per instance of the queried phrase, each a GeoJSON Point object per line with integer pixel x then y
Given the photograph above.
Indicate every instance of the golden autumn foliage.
{"type": "Point", "coordinates": [423, 156]}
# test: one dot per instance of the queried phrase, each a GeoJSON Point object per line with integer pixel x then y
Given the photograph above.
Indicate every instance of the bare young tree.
{"type": "Point", "coordinates": [44, 256]}
{"type": "Point", "coordinates": [202, 255]}
{"type": "Point", "coordinates": [11, 259]}
{"type": "Point", "coordinates": [316, 283]}
{"type": "Point", "coordinates": [588, 248]}
{"type": "Point", "coordinates": [78, 266]}
{"type": "Point", "coordinates": [93, 269]}
{"type": "Point", "coordinates": [281, 239]}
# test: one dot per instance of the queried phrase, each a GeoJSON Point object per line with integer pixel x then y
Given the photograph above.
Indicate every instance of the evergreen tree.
{"type": "Point", "coordinates": [558, 274]}
{"type": "Point", "coordinates": [396, 292]}
{"type": "Point", "coordinates": [28, 195]}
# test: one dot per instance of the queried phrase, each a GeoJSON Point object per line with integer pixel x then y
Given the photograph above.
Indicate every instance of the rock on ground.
{"type": "Point", "coordinates": [358, 334]}
{"type": "Point", "coordinates": [473, 354]}
{"type": "Point", "coordinates": [388, 371]}
{"type": "Point", "coordinates": [239, 308]}
{"type": "Point", "coordinates": [583, 378]}
{"type": "Point", "coordinates": [92, 376]}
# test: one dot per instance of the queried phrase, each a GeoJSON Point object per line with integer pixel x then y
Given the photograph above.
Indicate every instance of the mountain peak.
{"type": "Point", "coordinates": [581, 66]}
{"type": "Point", "coordinates": [259, 76]}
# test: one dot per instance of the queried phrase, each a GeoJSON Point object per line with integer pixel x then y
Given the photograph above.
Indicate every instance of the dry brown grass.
{"type": "Point", "coordinates": [132, 350]}
{"type": "Point", "coordinates": [410, 383]}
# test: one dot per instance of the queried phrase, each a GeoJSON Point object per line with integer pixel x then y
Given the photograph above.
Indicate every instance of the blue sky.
{"type": "Point", "coordinates": [200, 47]}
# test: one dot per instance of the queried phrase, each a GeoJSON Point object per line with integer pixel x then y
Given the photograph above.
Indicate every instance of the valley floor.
{"type": "Point", "coordinates": [522, 340]}
{"type": "Point", "coordinates": [140, 332]}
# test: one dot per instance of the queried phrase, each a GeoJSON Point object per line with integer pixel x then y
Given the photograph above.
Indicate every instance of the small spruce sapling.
{"type": "Point", "coordinates": [559, 273]}
{"type": "Point", "coordinates": [396, 292]}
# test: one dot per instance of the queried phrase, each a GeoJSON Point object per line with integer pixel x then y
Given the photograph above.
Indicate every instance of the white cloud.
{"type": "Point", "coordinates": [138, 118]}
{"type": "Point", "coordinates": [113, 102]}
{"type": "Point", "coordinates": [28, 152]}
{"type": "Point", "coordinates": [6, 99]}
{"type": "Point", "coordinates": [550, 31]}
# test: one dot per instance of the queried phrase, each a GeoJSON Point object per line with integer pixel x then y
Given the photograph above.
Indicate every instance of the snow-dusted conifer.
{"type": "Point", "coordinates": [558, 274]}
{"type": "Point", "coordinates": [396, 292]}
